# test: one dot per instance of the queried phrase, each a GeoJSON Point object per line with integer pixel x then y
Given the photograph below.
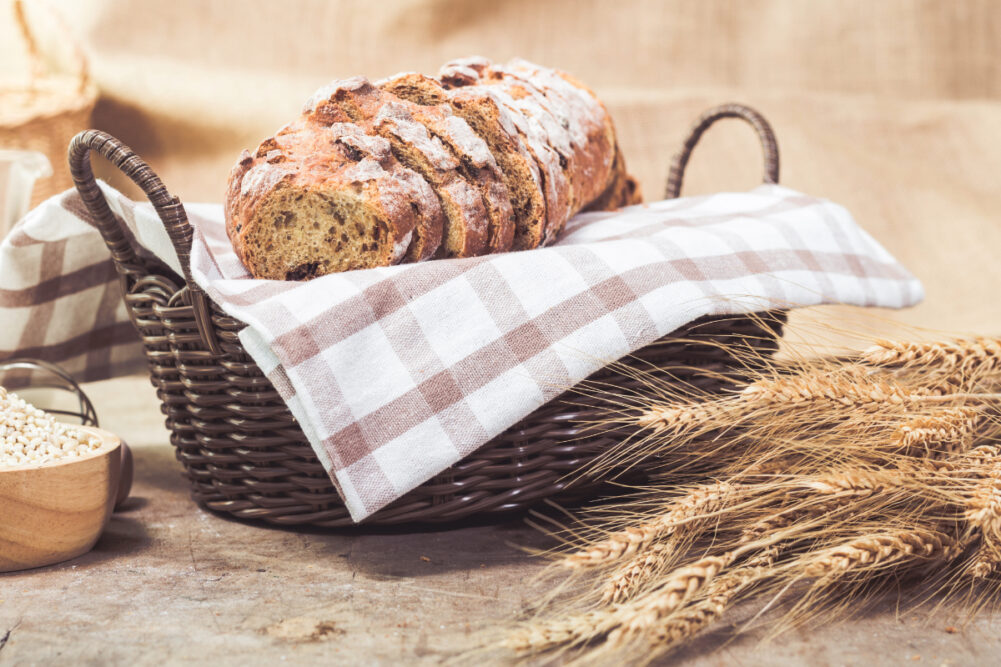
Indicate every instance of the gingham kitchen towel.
{"type": "Point", "coordinates": [398, 372]}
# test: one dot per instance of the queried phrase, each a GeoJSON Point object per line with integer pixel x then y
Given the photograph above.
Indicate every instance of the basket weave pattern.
{"type": "Point", "coordinates": [246, 455]}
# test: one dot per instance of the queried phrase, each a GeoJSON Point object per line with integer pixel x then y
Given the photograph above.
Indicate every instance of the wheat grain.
{"type": "Point", "coordinates": [881, 549]}
{"type": "Point", "coordinates": [982, 455]}
{"type": "Point", "coordinates": [689, 621]}
{"type": "Point", "coordinates": [985, 561]}
{"type": "Point", "coordinates": [676, 418]}
{"type": "Point", "coordinates": [949, 430]}
{"type": "Point", "coordinates": [983, 505]}
{"type": "Point", "coordinates": [828, 493]}
{"type": "Point", "coordinates": [977, 354]}
{"type": "Point", "coordinates": [628, 541]}
{"type": "Point", "coordinates": [854, 482]}
{"type": "Point", "coordinates": [627, 579]}
{"type": "Point", "coordinates": [854, 387]}
{"type": "Point", "coordinates": [545, 635]}
{"type": "Point", "coordinates": [818, 445]}
{"type": "Point", "coordinates": [639, 616]}
{"type": "Point", "coordinates": [623, 620]}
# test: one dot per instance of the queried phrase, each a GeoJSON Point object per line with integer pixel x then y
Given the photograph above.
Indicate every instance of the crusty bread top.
{"type": "Point", "coordinates": [483, 115]}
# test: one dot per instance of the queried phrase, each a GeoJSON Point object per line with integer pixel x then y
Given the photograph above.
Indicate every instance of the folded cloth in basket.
{"type": "Point", "coordinates": [396, 373]}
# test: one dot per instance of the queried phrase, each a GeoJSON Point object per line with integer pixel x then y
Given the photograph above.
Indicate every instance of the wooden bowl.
{"type": "Point", "coordinates": [56, 511]}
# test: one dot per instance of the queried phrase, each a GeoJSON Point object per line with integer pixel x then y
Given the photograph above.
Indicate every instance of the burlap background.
{"type": "Point", "coordinates": [892, 108]}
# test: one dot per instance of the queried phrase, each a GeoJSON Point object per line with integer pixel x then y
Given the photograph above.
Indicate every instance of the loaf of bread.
{"type": "Point", "coordinates": [484, 158]}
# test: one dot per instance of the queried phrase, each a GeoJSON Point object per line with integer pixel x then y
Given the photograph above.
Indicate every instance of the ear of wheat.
{"type": "Point", "coordinates": [627, 542]}
{"type": "Point", "coordinates": [824, 477]}
{"type": "Point", "coordinates": [969, 355]}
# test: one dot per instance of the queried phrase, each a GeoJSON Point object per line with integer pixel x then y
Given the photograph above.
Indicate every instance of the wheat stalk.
{"type": "Point", "coordinates": [948, 430]}
{"type": "Point", "coordinates": [689, 621]}
{"type": "Point", "coordinates": [828, 493]}
{"type": "Point", "coordinates": [851, 387]}
{"type": "Point", "coordinates": [985, 561]}
{"type": "Point", "coordinates": [858, 469]}
{"type": "Point", "coordinates": [677, 418]}
{"type": "Point", "coordinates": [872, 551]}
{"type": "Point", "coordinates": [620, 619]}
{"type": "Point", "coordinates": [623, 582]}
{"type": "Point", "coordinates": [639, 616]}
{"type": "Point", "coordinates": [550, 634]}
{"type": "Point", "coordinates": [967, 355]}
{"type": "Point", "coordinates": [847, 483]}
{"type": "Point", "coordinates": [623, 543]}
{"type": "Point", "coordinates": [855, 387]}
{"type": "Point", "coordinates": [983, 510]}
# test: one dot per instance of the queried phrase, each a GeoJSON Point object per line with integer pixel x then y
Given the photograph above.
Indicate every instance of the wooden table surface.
{"type": "Point", "coordinates": [169, 582]}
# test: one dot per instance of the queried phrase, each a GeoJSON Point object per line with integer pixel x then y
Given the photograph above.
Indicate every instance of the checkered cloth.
{"type": "Point", "coordinates": [398, 372]}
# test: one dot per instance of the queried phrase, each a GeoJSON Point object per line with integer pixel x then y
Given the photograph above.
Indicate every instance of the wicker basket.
{"type": "Point", "coordinates": [46, 111]}
{"type": "Point", "coordinates": [244, 452]}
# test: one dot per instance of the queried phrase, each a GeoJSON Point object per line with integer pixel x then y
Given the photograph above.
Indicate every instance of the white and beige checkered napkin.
{"type": "Point", "coordinates": [398, 372]}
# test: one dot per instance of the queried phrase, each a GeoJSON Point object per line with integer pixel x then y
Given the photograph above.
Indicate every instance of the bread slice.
{"type": "Point", "coordinates": [624, 190]}
{"type": "Point", "coordinates": [443, 148]}
{"type": "Point", "coordinates": [479, 108]}
{"type": "Point", "coordinates": [592, 134]}
{"type": "Point", "coordinates": [535, 125]}
{"type": "Point", "coordinates": [318, 199]}
{"type": "Point", "coordinates": [565, 113]}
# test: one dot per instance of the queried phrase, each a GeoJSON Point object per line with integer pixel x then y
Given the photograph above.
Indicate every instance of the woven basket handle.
{"type": "Point", "coordinates": [769, 145]}
{"type": "Point", "coordinates": [168, 207]}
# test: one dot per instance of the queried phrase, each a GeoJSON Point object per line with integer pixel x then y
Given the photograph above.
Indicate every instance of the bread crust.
{"type": "Point", "coordinates": [623, 190]}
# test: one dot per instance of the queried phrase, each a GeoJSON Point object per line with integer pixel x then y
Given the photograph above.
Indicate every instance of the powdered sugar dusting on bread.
{"type": "Point", "coordinates": [328, 91]}
{"type": "Point", "coordinates": [374, 146]}
{"type": "Point", "coordinates": [469, 200]}
{"type": "Point", "coordinates": [398, 120]}
{"type": "Point", "coordinates": [401, 246]}
{"type": "Point", "coordinates": [264, 177]}
{"type": "Point", "coordinates": [587, 120]}
{"type": "Point", "coordinates": [556, 185]}
{"type": "Point", "coordinates": [426, 201]}
{"type": "Point", "coordinates": [473, 146]}
{"type": "Point", "coordinates": [398, 177]}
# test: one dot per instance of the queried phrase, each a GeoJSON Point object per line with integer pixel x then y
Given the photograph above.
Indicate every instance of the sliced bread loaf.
{"type": "Point", "coordinates": [542, 133]}
{"type": "Point", "coordinates": [443, 148]}
{"type": "Point", "coordinates": [481, 110]}
{"type": "Point", "coordinates": [484, 159]}
{"type": "Point", "coordinates": [592, 135]}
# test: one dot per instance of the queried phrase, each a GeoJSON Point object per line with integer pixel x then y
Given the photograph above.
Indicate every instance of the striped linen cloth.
{"type": "Point", "coordinates": [396, 373]}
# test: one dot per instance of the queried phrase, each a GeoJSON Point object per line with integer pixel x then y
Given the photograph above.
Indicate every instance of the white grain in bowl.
{"type": "Point", "coordinates": [32, 437]}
